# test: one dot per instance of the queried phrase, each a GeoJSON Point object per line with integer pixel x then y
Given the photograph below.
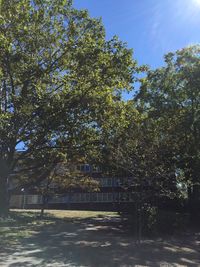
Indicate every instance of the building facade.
{"type": "Point", "coordinates": [110, 195]}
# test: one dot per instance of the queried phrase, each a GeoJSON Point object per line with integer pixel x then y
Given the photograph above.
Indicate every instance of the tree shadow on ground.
{"type": "Point", "coordinates": [95, 242]}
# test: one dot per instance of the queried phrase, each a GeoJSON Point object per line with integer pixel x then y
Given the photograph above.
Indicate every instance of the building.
{"type": "Point", "coordinates": [110, 195]}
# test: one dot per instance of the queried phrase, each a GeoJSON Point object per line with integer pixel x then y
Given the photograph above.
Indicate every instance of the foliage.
{"type": "Point", "coordinates": [155, 141]}
{"type": "Point", "coordinates": [171, 97]}
{"type": "Point", "coordinates": [59, 77]}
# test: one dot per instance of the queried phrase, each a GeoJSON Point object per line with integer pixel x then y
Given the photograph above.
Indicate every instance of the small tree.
{"type": "Point", "coordinates": [60, 179]}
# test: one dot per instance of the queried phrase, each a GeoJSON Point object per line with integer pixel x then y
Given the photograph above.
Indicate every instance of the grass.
{"type": "Point", "coordinates": [67, 214]}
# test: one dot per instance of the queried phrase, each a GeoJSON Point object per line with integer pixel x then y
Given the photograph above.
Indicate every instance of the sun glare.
{"type": "Point", "coordinates": [197, 2]}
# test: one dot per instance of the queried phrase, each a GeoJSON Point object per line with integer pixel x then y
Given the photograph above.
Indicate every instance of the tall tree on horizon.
{"type": "Point", "coordinates": [170, 95]}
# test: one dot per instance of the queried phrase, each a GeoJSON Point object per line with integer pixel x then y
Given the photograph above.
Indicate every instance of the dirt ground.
{"type": "Point", "coordinates": [92, 242]}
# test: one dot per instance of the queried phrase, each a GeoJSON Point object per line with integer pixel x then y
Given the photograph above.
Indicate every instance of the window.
{"type": "Point", "coordinates": [75, 197]}
{"type": "Point", "coordinates": [87, 197]}
{"type": "Point", "coordinates": [106, 182]}
{"type": "Point", "coordinates": [115, 181]}
{"type": "Point", "coordinates": [99, 197]}
{"type": "Point", "coordinates": [105, 197]}
{"type": "Point", "coordinates": [109, 182]}
{"type": "Point", "coordinates": [96, 168]}
{"type": "Point", "coordinates": [116, 197]}
{"type": "Point", "coordinates": [33, 199]}
{"type": "Point", "coordinates": [83, 168]}
{"type": "Point", "coordinates": [57, 199]}
{"type": "Point", "coordinates": [87, 168]}
{"type": "Point", "coordinates": [82, 197]}
{"type": "Point", "coordinates": [94, 197]}
{"type": "Point", "coordinates": [110, 197]}
{"type": "Point", "coordinates": [66, 198]}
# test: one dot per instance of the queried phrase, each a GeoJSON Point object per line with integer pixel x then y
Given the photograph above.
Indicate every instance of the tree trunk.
{"type": "Point", "coordinates": [4, 207]}
{"type": "Point", "coordinates": [43, 206]}
{"type": "Point", "coordinates": [45, 202]}
{"type": "Point", "coordinates": [4, 204]}
{"type": "Point", "coordinates": [194, 202]}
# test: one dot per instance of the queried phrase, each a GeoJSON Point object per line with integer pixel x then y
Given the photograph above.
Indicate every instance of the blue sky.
{"type": "Point", "coordinates": [151, 27]}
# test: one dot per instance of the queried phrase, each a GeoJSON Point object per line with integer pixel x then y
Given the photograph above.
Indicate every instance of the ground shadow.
{"type": "Point", "coordinates": [95, 242]}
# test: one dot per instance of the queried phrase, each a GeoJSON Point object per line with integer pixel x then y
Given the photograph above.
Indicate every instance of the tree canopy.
{"type": "Point", "coordinates": [59, 76]}
{"type": "Point", "coordinates": [171, 97]}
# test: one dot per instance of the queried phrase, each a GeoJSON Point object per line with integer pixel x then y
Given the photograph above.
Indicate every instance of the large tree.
{"type": "Point", "coordinates": [171, 97]}
{"type": "Point", "coordinates": [58, 78]}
